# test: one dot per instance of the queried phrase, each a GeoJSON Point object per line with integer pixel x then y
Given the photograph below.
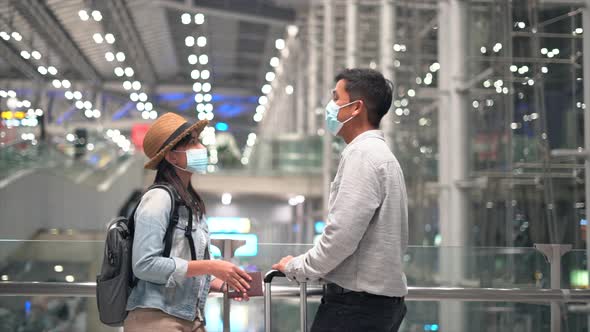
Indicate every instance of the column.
{"type": "Point", "coordinates": [328, 84]}
{"type": "Point", "coordinates": [351, 33]}
{"type": "Point", "coordinates": [312, 70]}
{"type": "Point", "coordinates": [586, 77]}
{"type": "Point", "coordinates": [386, 41]}
{"type": "Point", "coordinates": [453, 160]}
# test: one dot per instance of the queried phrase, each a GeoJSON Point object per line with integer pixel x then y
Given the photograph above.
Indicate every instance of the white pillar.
{"type": "Point", "coordinates": [312, 72]}
{"type": "Point", "coordinates": [299, 92]}
{"type": "Point", "coordinates": [328, 52]}
{"type": "Point", "coordinates": [586, 77]}
{"type": "Point", "coordinates": [453, 152]}
{"type": "Point", "coordinates": [351, 33]}
{"type": "Point", "coordinates": [386, 60]}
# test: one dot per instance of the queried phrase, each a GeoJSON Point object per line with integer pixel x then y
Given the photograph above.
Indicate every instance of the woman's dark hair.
{"type": "Point", "coordinates": [167, 174]}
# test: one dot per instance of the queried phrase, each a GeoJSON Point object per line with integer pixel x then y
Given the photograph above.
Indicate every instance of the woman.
{"type": "Point", "coordinates": [171, 292]}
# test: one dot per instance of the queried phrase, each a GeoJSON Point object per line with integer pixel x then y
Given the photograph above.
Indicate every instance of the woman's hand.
{"type": "Point", "coordinates": [242, 298]}
{"type": "Point", "coordinates": [235, 277]}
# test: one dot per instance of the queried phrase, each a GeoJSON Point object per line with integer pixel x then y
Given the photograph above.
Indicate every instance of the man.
{"type": "Point", "coordinates": [360, 253]}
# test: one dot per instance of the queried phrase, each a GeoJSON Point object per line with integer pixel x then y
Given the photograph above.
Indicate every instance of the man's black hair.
{"type": "Point", "coordinates": [372, 88]}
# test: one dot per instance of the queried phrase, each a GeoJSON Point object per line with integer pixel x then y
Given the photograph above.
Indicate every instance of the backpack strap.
{"type": "Point", "coordinates": [173, 221]}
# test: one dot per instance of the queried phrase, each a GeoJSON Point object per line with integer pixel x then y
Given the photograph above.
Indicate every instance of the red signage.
{"type": "Point", "coordinates": [138, 132]}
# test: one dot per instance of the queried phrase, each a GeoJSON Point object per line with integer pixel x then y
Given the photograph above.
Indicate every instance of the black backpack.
{"type": "Point", "coordinates": [116, 279]}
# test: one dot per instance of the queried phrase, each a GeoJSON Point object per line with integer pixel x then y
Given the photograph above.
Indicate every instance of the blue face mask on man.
{"type": "Point", "coordinates": [196, 161]}
{"type": "Point", "coordinates": [333, 125]}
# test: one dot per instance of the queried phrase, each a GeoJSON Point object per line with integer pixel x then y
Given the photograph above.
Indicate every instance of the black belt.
{"type": "Point", "coordinates": [333, 289]}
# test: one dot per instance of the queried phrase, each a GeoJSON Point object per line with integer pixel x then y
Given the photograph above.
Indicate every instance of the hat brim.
{"type": "Point", "coordinates": [198, 127]}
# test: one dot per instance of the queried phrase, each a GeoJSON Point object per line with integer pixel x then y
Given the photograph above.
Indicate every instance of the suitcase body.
{"type": "Point", "coordinates": [268, 298]}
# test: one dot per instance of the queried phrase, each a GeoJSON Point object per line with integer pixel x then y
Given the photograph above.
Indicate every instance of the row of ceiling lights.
{"type": "Point", "coordinates": [138, 97]}
{"type": "Point", "coordinates": [34, 55]}
{"type": "Point", "coordinates": [201, 86]}
{"type": "Point", "coordinates": [267, 88]}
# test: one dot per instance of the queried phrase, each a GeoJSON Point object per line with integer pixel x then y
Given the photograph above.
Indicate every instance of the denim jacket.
{"type": "Point", "coordinates": [162, 281]}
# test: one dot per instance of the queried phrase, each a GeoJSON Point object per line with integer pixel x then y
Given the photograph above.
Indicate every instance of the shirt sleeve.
{"type": "Point", "coordinates": [354, 203]}
{"type": "Point", "coordinates": [151, 222]}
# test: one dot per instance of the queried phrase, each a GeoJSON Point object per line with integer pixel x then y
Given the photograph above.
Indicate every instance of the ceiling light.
{"type": "Point", "coordinates": [149, 106]}
{"type": "Point", "coordinates": [197, 87]}
{"type": "Point", "coordinates": [69, 95]}
{"type": "Point", "coordinates": [42, 70]}
{"type": "Point", "coordinates": [201, 41]}
{"type": "Point", "coordinates": [127, 85]}
{"type": "Point", "coordinates": [17, 36]}
{"type": "Point", "coordinates": [204, 59]}
{"type": "Point", "coordinates": [119, 71]}
{"type": "Point", "coordinates": [36, 55]}
{"type": "Point", "coordinates": [226, 199]}
{"type": "Point", "coordinates": [206, 87]}
{"type": "Point", "coordinates": [134, 96]}
{"type": "Point", "coordinates": [205, 74]}
{"type": "Point", "coordinates": [96, 15]}
{"type": "Point", "coordinates": [97, 38]}
{"type": "Point", "coordinates": [199, 18]}
{"type": "Point", "coordinates": [129, 71]}
{"type": "Point", "coordinates": [25, 54]}
{"type": "Point", "coordinates": [289, 89]}
{"type": "Point", "coordinates": [193, 59]}
{"type": "Point", "coordinates": [280, 44]}
{"type": "Point", "coordinates": [56, 84]}
{"type": "Point", "coordinates": [266, 89]}
{"type": "Point", "coordinates": [207, 98]}
{"type": "Point", "coordinates": [153, 115]}
{"type": "Point", "coordinates": [143, 97]}
{"type": "Point", "coordinates": [270, 76]}
{"type": "Point", "coordinates": [199, 98]}
{"type": "Point", "coordinates": [189, 41]}
{"type": "Point", "coordinates": [109, 56]}
{"type": "Point", "coordinates": [109, 38]}
{"type": "Point", "coordinates": [120, 56]}
{"type": "Point", "coordinates": [66, 84]}
{"type": "Point", "coordinates": [274, 62]}
{"type": "Point", "coordinates": [52, 70]}
{"type": "Point", "coordinates": [136, 85]}
{"type": "Point", "coordinates": [77, 95]}
{"type": "Point", "coordinates": [83, 15]}
{"type": "Point", "coordinates": [195, 74]}
{"type": "Point", "coordinates": [185, 18]}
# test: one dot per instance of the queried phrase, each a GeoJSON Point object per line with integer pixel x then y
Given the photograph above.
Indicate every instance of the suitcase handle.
{"type": "Point", "coordinates": [267, 300]}
{"type": "Point", "coordinates": [271, 274]}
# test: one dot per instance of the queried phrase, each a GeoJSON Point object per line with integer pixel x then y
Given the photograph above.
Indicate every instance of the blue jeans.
{"type": "Point", "coordinates": [362, 312]}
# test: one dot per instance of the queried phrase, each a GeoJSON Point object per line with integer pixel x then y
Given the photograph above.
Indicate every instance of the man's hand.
{"type": "Point", "coordinates": [282, 263]}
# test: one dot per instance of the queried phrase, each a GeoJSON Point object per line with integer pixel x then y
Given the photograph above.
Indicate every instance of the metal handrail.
{"type": "Point", "coordinates": [533, 295]}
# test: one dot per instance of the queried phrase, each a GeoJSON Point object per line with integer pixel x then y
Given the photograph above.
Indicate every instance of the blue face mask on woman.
{"type": "Point", "coordinates": [196, 161]}
{"type": "Point", "coordinates": [333, 125]}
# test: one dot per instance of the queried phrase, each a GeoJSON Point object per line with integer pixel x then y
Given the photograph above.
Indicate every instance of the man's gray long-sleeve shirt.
{"type": "Point", "coordinates": [366, 233]}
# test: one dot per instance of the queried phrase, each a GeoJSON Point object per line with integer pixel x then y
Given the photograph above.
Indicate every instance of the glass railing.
{"type": "Point", "coordinates": [503, 270]}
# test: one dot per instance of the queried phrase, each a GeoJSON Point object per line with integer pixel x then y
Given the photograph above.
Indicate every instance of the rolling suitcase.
{"type": "Point", "coordinates": [267, 301]}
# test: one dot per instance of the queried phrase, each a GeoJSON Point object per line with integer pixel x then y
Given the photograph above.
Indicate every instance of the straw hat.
{"type": "Point", "coordinates": [164, 134]}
